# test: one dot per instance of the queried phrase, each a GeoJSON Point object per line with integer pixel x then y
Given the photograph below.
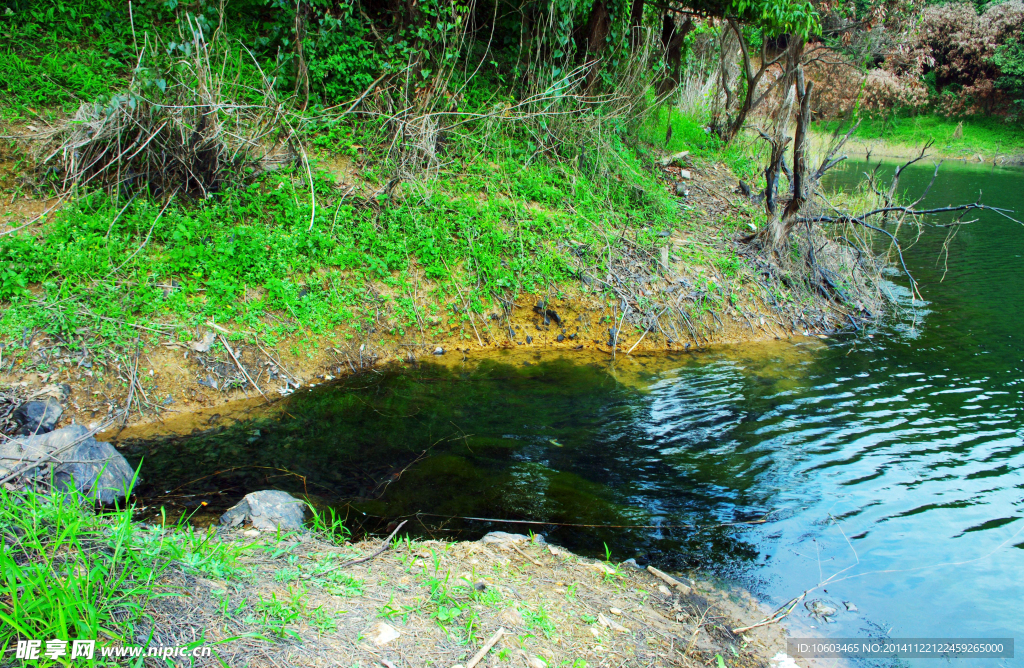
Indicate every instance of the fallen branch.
{"type": "Point", "coordinates": [776, 616]}
{"type": "Point", "coordinates": [526, 556]}
{"type": "Point", "coordinates": [383, 548]}
{"type": "Point", "coordinates": [478, 657]}
{"type": "Point", "coordinates": [668, 579]}
{"type": "Point", "coordinates": [240, 367]}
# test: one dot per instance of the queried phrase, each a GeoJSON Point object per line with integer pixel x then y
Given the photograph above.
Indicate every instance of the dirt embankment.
{"type": "Point", "coordinates": [199, 380]}
{"type": "Point", "coordinates": [506, 600]}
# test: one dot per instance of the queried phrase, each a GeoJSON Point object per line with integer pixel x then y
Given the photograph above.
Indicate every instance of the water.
{"type": "Point", "coordinates": [892, 464]}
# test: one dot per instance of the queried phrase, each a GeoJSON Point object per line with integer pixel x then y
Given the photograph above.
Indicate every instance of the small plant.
{"type": "Point", "coordinates": [329, 526]}
{"type": "Point", "coordinates": [539, 620]}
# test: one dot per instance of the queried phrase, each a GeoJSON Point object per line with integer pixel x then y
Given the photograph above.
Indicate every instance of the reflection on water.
{"type": "Point", "coordinates": [892, 460]}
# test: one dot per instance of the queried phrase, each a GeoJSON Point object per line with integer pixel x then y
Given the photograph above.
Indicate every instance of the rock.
{"type": "Point", "coordinates": [37, 417]}
{"type": "Point", "coordinates": [682, 190]}
{"type": "Point", "coordinates": [79, 461]}
{"type": "Point", "coordinates": [820, 610]}
{"type": "Point", "coordinates": [384, 633]}
{"type": "Point", "coordinates": [851, 607]}
{"type": "Point", "coordinates": [560, 338]}
{"type": "Point", "coordinates": [439, 350]}
{"type": "Point", "coordinates": [674, 159]}
{"type": "Point", "coordinates": [529, 339]}
{"type": "Point", "coordinates": [632, 564]}
{"type": "Point", "coordinates": [267, 510]}
{"type": "Point", "coordinates": [685, 174]}
{"type": "Point", "coordinates": [502, 539]}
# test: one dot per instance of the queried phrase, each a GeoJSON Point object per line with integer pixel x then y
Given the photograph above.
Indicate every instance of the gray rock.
{"type": "Point", "coordinates": [267, 510]}
{"type": "Point", "coordinates": [820, 610]}
{"type": "Point", "coordinates": [79, 462]}
{"type": "Point", "coordinates": [37, 417]}
{"type": "Point", "coordinates": [503, 538]}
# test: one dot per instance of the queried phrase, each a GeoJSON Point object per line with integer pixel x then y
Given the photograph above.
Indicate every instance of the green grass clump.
{"type": "Point", "coordinates": [68, 573]}
{"type": "Point", "coordinates": [690, 133]}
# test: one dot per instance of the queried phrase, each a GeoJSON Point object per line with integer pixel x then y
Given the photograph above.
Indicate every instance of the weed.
{"type": "Point", "coordinates": [70, 573]}
{"type": "Point", "coordinates": [329, 526]}
{"type": "Point", "coordinates": [538, 619]}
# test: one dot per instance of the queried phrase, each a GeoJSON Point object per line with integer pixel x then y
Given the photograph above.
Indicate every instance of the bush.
{"type": "Point", "coordinates": [1009, 58]}
{"type": "Point", "coordinates": [960, 48]}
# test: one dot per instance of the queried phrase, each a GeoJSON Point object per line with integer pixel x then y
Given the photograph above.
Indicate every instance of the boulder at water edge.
{"type": "Point", "coordinates": [37, 417]}
{"type": "Point", "coordinates": [73, 458]}
{"type": "Point", "coordinates": [267, 510]}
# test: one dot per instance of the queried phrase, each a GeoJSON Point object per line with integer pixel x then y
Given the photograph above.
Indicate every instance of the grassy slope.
{"type": "Point", "coordinates": [989, 137]}
{"type": "Point", "coordinates": [496, 227]}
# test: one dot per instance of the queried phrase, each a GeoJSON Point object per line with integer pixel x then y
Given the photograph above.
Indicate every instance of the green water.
{"type": "Point", "coordinates": [894, 454]}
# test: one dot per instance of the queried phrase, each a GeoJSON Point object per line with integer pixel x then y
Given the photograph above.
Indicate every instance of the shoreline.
{"type": "Point", "coordinates": [177, 393]}
{"type": "Point", "coordinates": [552, 606]}
{"type": "Point", "coordinates": [881, 148]}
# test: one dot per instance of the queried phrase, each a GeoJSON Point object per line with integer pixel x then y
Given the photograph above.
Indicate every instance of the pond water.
{"type": "Point", "coordinates": [894, 460]}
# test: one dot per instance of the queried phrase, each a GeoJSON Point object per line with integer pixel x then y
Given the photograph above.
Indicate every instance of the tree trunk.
{"type": "Point", "coordinates": [636, 22]}
{"type": "Point", "coordinates": [302, 70]}
{"type": "Point", "coordinates": [803, 121]}
{"type": "Point", "coordinates": [598, 27]}
{"type": "Point", "coordinates": [672, 38]}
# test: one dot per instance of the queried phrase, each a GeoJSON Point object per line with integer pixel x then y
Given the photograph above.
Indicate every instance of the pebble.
{"type": "Point", "coordinates": [385, 634]}
{"type": "Point", "coordinates": [439, 350]}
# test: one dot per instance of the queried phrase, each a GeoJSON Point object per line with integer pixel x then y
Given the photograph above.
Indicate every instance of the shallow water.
{"type": "Point", "coordinates": [894, 460]}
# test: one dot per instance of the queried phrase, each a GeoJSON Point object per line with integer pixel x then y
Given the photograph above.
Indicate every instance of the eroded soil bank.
{"type": "Point", "coordinates": [183, 384]}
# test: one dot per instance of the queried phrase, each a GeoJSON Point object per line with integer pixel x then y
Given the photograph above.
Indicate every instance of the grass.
{"type": "Point", "coordinates": [989, 136]}
{"type": "Point", "coordinates": [71, 573]}
{"type": "Point", "coordinates": [248, 256]}
{"type": "Point", "coordinates": [690, 133]}
{"type": "Point", "coordinates": [67, 572]}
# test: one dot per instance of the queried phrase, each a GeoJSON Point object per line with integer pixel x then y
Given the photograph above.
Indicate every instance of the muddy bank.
{"type": "Point", "coordinates": [201, 381]}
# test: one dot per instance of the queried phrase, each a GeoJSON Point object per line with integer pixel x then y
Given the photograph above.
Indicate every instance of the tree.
{"type": "Point", "coordinates": [1009, 58]}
